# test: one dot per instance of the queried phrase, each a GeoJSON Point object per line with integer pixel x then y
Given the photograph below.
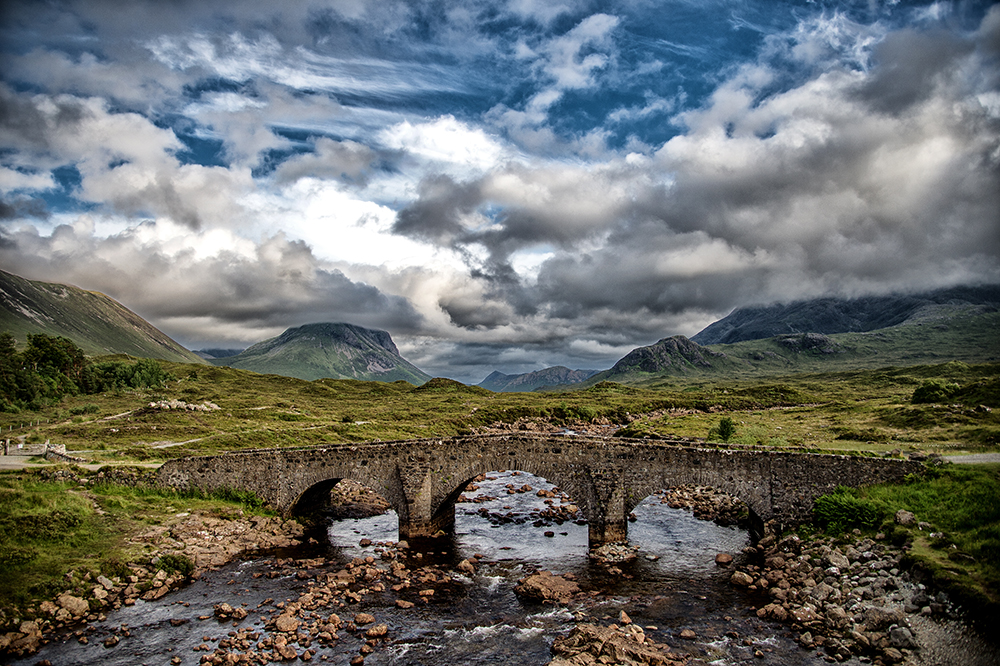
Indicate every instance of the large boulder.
{"type": "Point", "coordinates": [76, 606]}
{"type": "Point", "coordinates": [545, 586]}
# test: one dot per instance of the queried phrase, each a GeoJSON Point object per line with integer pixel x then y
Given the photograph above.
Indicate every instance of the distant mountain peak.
{"type": "Point", "coordinates": [558, 375]}
{"type": "Point", "coordinates": [334, 350]}
{"type": "Point", "coordinates": [675, 353]}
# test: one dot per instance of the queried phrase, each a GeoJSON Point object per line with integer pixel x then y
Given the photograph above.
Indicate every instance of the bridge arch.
{"type": "Point", "coordinates": [310, 491]}
{"type": "Point", "coordinates": [755, 496]}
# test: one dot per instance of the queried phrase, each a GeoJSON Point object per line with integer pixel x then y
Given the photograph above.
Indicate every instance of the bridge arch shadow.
{"type": "Point", "coordinates": [337, 499]}
{"type": "Point", "coordinates": [697, 490]}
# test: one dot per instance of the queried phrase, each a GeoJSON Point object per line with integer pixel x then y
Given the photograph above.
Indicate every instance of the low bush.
{"type": "Point", "coordinates": [934, 391]}
{"type": "Point", "coordinates": [844, 509]}
{"type": "Point", "coordinates": [722, 432]}
{"type": "Point", "coordinates": [175, 563]}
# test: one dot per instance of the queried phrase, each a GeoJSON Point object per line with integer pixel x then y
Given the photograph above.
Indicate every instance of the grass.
{"type": "Point", "coordinates": [866, 410]}
{"type": "Point", "coordinates": [53, 533]}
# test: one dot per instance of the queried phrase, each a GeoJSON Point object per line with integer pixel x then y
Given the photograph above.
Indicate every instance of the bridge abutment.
{"type": "Point", "coordinates": [441, 523]}
{"type": "Point", "coordinates": [606, 532]}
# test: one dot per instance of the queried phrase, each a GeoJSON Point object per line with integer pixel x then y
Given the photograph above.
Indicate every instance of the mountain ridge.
{"type": "Point", "coordinates": [558, 375]}
{"type": "Point", "coordinates": [828, 315]}
{"type": "Point", "coordinates": [95, 322]}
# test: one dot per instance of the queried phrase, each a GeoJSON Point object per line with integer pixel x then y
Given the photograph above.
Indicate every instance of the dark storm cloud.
{"type": "Point", "coordinates": [908, 65]}
{"type": "Point", "coordinates": [22, 208]}
{"type": "Point", "coordinates": [437, 215]}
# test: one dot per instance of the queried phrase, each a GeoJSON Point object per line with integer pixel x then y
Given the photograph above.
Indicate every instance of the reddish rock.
{"type": "Point", "coordinates": [544, 586]}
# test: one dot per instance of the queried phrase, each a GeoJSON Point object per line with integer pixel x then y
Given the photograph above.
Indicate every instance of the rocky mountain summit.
{"type": "Point", "coordinates": [334, 350]}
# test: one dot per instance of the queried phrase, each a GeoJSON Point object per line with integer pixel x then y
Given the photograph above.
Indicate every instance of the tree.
{"type": "Point", "coordinates": [724, 431]}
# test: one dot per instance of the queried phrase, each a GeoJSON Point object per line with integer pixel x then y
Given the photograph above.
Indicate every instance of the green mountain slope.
{"type": "Point", "coordinates": [337, 351]}
{"type": "Point", "coordinates": [839, 315]}
{"type": "Point", "coordinates": [932, 334]}
{"type": "Point", "coordinates": [96, 323]}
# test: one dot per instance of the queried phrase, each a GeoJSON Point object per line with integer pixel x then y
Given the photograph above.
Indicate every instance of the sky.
{"type": "Point", "coordinates": [502, 185]}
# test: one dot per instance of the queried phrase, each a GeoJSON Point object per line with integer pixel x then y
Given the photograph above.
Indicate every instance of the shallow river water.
{"type": "Point", "coordinates": [673, 585]}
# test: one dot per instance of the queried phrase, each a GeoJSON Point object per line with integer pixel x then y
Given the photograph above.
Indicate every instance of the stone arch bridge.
{"type": "Point", "coordinates": [606, 477]}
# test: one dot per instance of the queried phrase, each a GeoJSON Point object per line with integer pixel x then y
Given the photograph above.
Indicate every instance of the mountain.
{"type": "Point", "coordinates": [337, 351]}
{"type": "Point", "coordinates": [210, 354]}
{"type": "Point", "coordinates": [529, 381]}
{"type": "Point", "coordinates": [670, 356]}
{"type": "Point", "coordinates": [838, 315]}
{"type": "Point", "coordinates": [94, 322]}
{"type": "Point", "coordinates": [933, 333]}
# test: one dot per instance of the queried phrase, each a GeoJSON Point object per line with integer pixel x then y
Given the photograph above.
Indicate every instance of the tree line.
{"type": "Point", "coordinates": [50, 367]}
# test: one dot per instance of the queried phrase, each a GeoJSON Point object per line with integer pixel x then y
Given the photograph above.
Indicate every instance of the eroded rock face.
{"type": "Point", "coordinates": [546, 586]}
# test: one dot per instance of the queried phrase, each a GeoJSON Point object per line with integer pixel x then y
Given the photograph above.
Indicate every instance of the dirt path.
{"type": "Point", "coordinates": [21, 462]}
{"type": "Point", "coordinates": [975, 458]}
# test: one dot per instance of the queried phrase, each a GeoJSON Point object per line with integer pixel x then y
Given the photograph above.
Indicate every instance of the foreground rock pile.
{"type": "Point", "coordinates": [843, 600]}
{"type": "Point", "coordinates": [627, 644]}
{"type": "Point", "coordinates": [321, 616]}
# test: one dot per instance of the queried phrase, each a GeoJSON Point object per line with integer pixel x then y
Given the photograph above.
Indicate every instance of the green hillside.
{"type": "Point", "coordinates": [96, 323]}
{"type": "Point", "coordinates": [933, 334]}
{"type": "Point", "coordinates": [337, 351]}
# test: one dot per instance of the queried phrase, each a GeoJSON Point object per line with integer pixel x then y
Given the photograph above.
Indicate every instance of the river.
{"type": "Point", "coordinates": [673, 585]}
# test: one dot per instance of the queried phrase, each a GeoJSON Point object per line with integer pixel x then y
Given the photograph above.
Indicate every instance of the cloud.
{"type": "Point", "coordinates": [23, 208]}
{"type": "Point", "coordinates": [346, 161]}
{"type": "Point", "coordinates": [825, 186]}
{"type": "Point", "coordinates": [570, 60]}
{"type": "Point", "coordinates": [12, 180]}
{"type": "Point", "coordinates": [520, 182]}
{"type": "Point", "coordinates": [135, 81]}
{"type": "Point", "coordinates": [191, 284]}
{"type": "Point", "coordinates": [448, 144]}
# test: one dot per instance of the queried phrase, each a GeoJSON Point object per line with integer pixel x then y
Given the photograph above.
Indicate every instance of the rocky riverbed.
{"type": "Point", "coordinates": [848, 601]}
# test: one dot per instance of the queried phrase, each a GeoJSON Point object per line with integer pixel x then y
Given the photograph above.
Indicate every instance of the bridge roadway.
{"type": "Point", "coordinates": [606, 477]}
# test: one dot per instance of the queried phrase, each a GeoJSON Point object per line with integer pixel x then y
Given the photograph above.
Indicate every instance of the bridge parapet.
{"type": "Point", "coordinates": [606, 477]}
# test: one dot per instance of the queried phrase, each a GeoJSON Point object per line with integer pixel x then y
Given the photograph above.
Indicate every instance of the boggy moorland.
{"type": "Point", "coordinates": [71, 533]}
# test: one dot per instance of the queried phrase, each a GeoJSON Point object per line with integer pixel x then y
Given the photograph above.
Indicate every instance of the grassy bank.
{"type": "Point", "coordinates": [49, 526]}
{"type": "Point", "coordinates": [61, 527]}
{"type": "Point", "coordinates": [955, 539]}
